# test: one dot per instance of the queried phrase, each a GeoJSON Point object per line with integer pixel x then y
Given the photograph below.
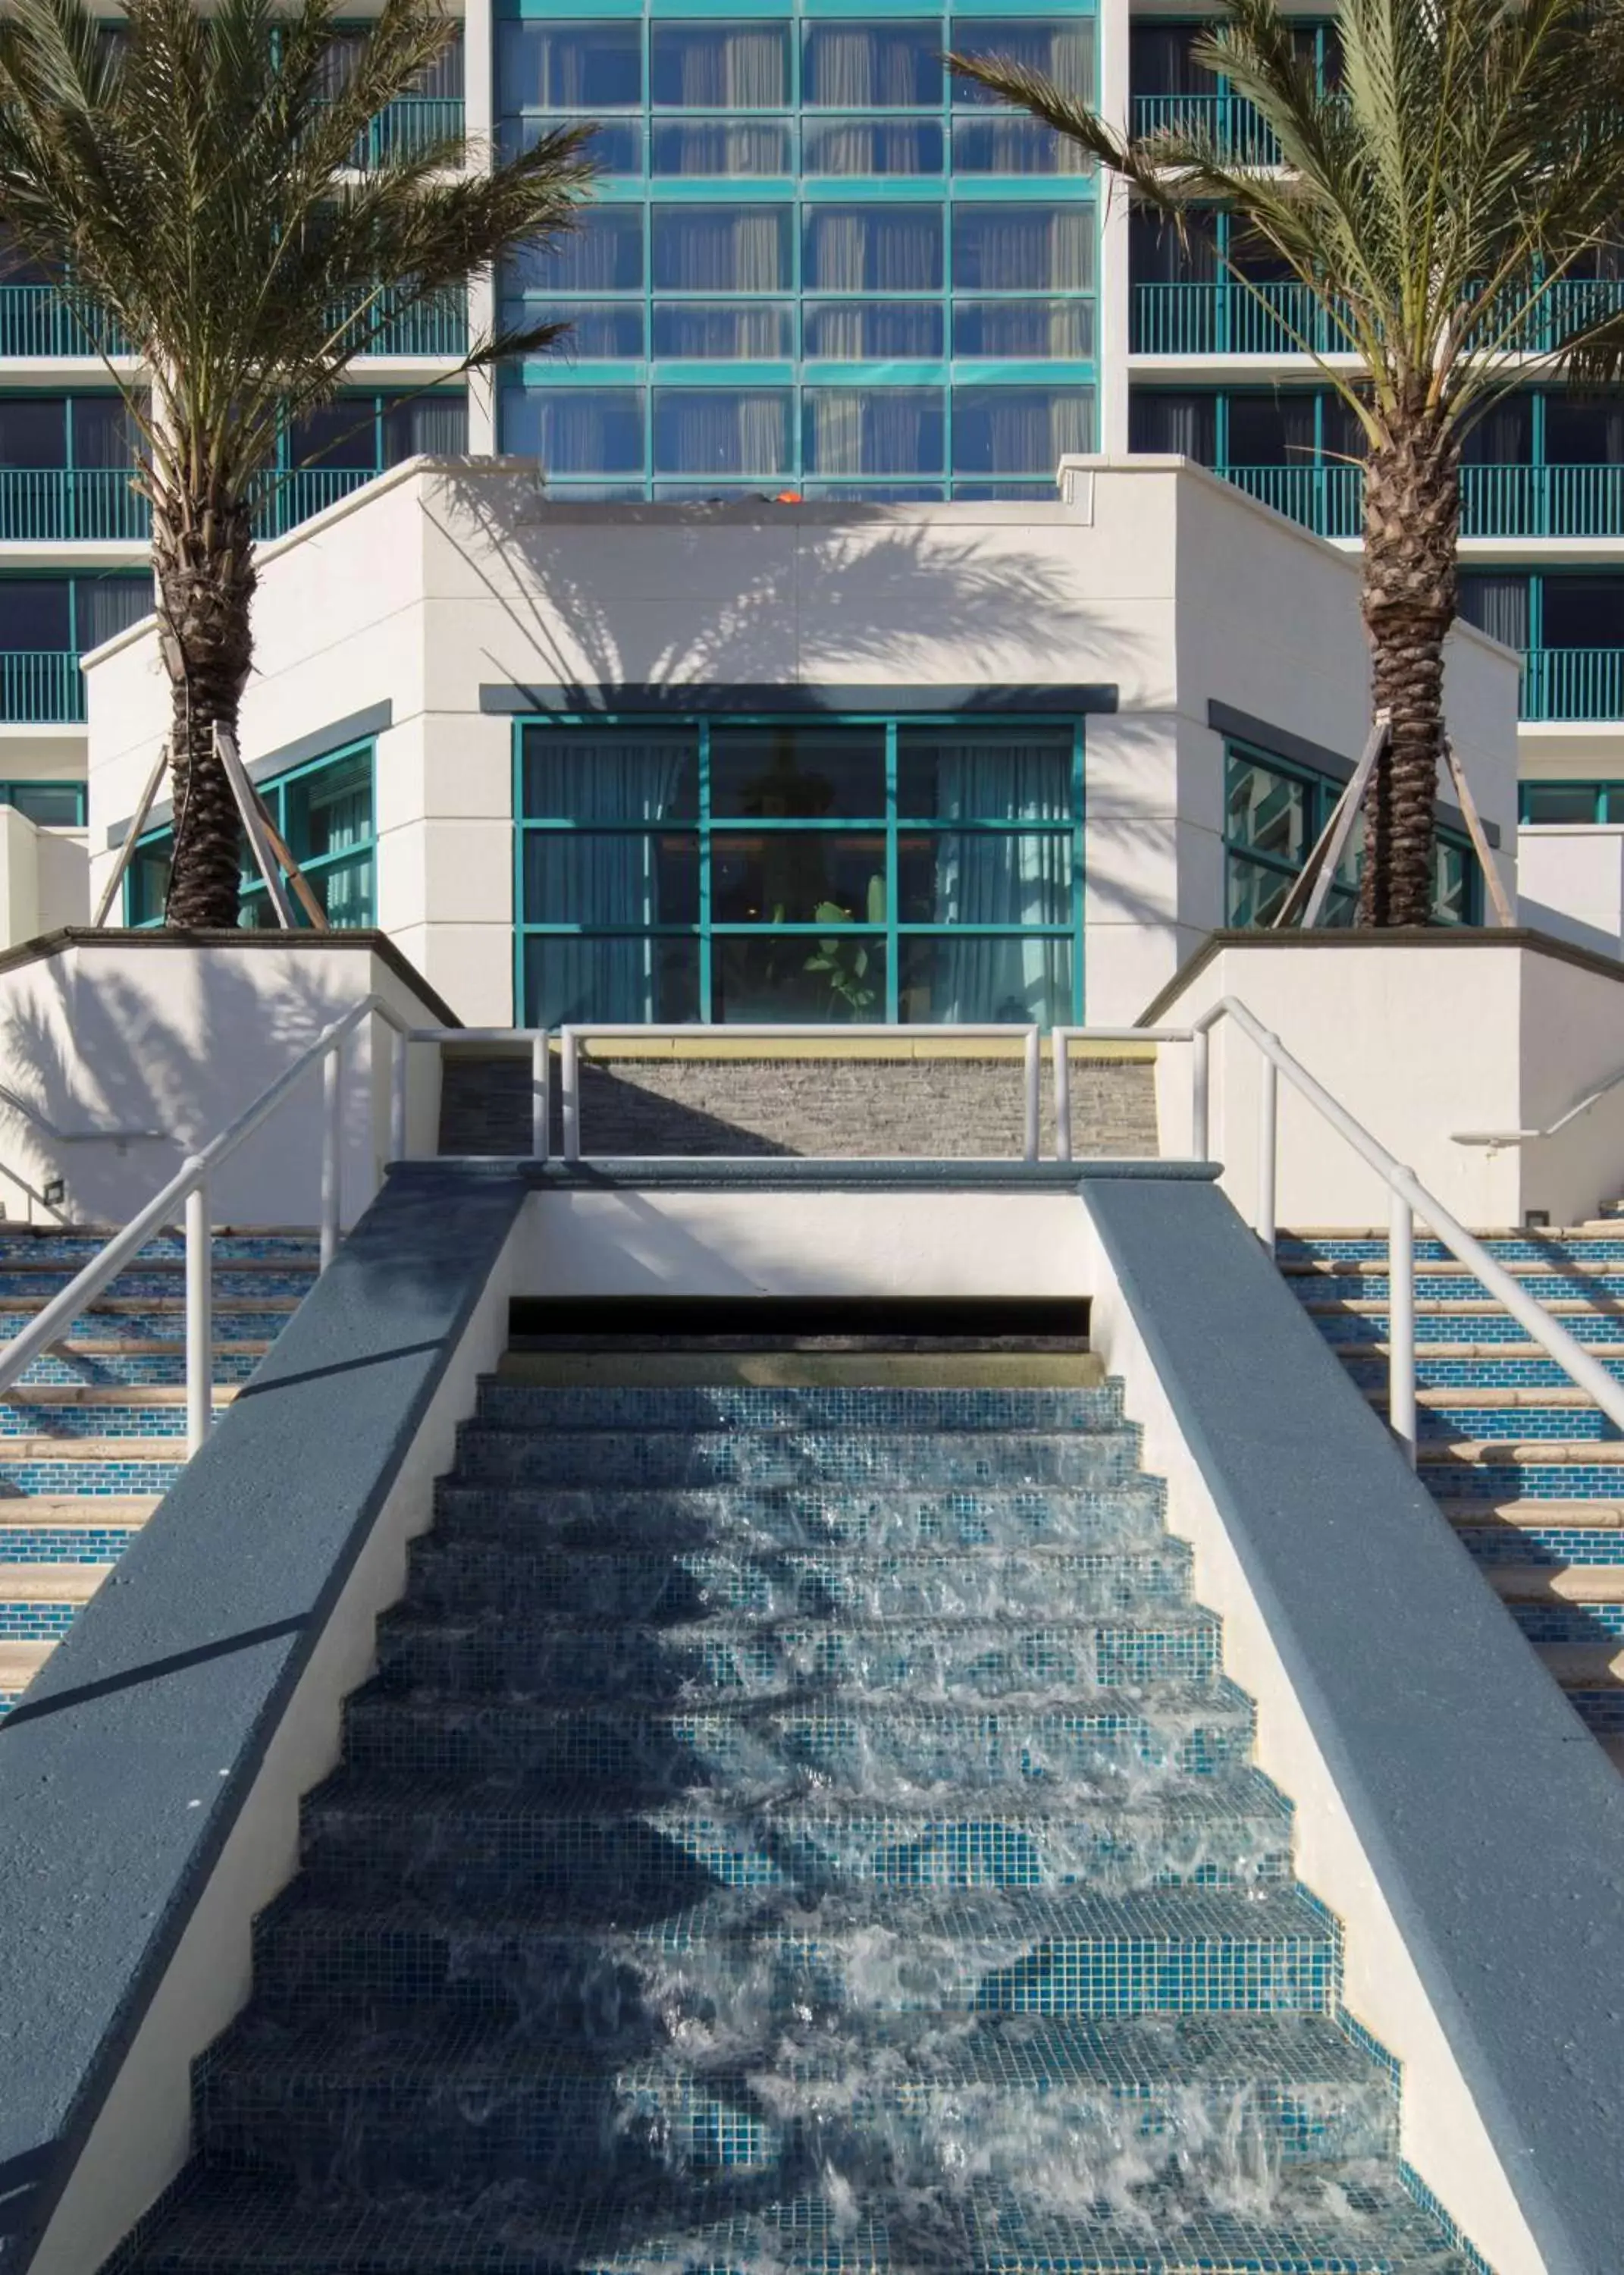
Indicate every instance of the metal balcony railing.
{"type": "Point", "coordinates": [285, 499]}
{"type": "Point", "coordinates": [409, 126]}
{"type": "Point", "coordinates": [1218, 318]}
{"type": "Point", "coordinates": [71, 505]}
{"type": "Point", "coordinates": [1327, 499]}
{"type": "Point", "coordinates": [1495, 501]}
{"type": "Point", "coordinates": [435, 327]}
{"type": "Point", "coordinates": [41, 319]}
{"type": "Point", "coordinates": [40, 687]}
{"type": "Point", "coordinates": [1573, 682]}
{"type": "Point", "coordinates": [1229, 118]}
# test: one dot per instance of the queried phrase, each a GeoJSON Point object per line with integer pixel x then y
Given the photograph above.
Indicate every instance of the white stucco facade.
{"type": "Point", "coordinates": [422, 612]}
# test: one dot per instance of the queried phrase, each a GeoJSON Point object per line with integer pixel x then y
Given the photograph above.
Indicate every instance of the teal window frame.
{"type": "Point", "coordinates": [140, 917]}
{"type": "Point", "coordinates": [1601, 788]}
{"type": "Point", "coordinates": [1320, 794]}
{"type": "Point", "coordinates": [16, 793]}
{"type": "Point", "coordinates": [892, 933]}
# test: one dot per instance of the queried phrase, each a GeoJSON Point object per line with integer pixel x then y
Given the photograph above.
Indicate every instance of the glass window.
{"type": "Point", "coordinates": [1160, 62]}
{"type": "Point", "coordinates": [1061, 48]}
{"type": "Point", "coordinates": [1503, 437]}
{"type": "Point", "coordinates": [1584, 431]}
{"type": "Point", "coordinates": [716, 430]}
{"type": "Point", "coordinates": [588, 66]}
{"type": "Point", "coordinates": [721, 248]}
{"type": "Point", "coordinates": [1585, 612]}
{"type": "Point", "coordinates": [1003, 142]}
{"type": "Point", "coordinates": [434, 424]}
{"type": "Point", "coordinates": [1498, 605]}
{"type": "Point", "coordinates": [871, 146]}
{"type": "Point", "coordinates": [34, 432]}
{"type": "Point", "coordinates": [720, 330]}
{"type": "Point", "coordinates": [1019, 430]}
{"type": "Point", "coordinates": [615, 145]}
{"type": "Point", "coordinates": [104, 432]}
{"type": "Point", "coordinates": [743, 870]}
{"type": "Point", "coordinates": [890, 430]}
{"type": "Point", "coordinates": [578, 430]}
{"type": "Point", "coordinates": [872, 249]}
{"type": "Point", "coordinates": [613, 328]}
{"type": "Point", "coordinates": [1055, 330]}
{"type": "Point", "coordinates": [738, 66]}
{"type": "Point", "coordinates": [857, 330]}
{"type": "Point", "coordinates": [1560, 802]}
{"type": "Point", "coordinates": [51, 805]}
{"type": "Point", "coordinates": [1179, 426]}
{"type": "Point", "coordinates": [728, 149]}
{"type": "Point", "coordinates": [104, 607]}
{"type": "Point", "coordinates": [1019, 247]}
{"type": "Point", "coordinates": [1272, 430]}
{"type": "Point", "coordinates": [342, 433]}
{"type": "Point", "coordinates": [604, 254]}
{"type": "Point", "coordinates": [36, 613]}
{"type": "Point", "coordinates": [1273, 815]}
{"type": "Point", "coordinates": [854, 66]}
{"type": "Point", "coordinates": [324, 814]}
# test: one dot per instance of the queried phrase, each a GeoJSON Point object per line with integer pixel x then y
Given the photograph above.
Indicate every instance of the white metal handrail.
{"type": "Point", "coordinates": [1408, 1198]}
{"type": "Point", "coordinates": [571, 1037]}
{"type": "Point", "coordinates": [59, 1137]}
{"type": "Point", "coordinates": [1495, 1138]}
{"type": "Point", "coordinates": [188, 1190]}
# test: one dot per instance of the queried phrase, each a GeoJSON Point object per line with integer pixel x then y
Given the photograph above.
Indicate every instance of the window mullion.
{"type": "Point", "coordinates": [707, 1010]}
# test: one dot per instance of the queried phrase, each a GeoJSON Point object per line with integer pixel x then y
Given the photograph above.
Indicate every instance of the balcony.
{"type": "Point", "coordinates": [1495, 501]}
{"type": "Point", "coordinates": [1229, 119]}
{"type": "Point", "coordinates": [437, 327]}
{"type": "Point", "coordinates": [38, 320]}
{"type": "Point", "coordinates": [47, 505]}
{"type": "Point", "coordinates": [1217, 319]}
{"type": "Point", "coordinates": [409, 126]}
{"type": "Point", "coordinates": [1327, 499]}
{"type": "Point", "coordinates": [285, 499]}
{"type": "Point", "coordinates": [40, 687]}
{"type": "Point", "coordinates": [1573, 682]}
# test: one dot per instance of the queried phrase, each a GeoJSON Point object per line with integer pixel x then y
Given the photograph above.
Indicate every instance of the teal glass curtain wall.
{"type": "Point", "coordinates": [815, 262]}
{"type": "Point", "coordinates": [324, 814]}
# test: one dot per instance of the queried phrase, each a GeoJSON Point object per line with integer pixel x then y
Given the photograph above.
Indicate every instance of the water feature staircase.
{"type": "Point", "coordinates": [1528, 1469]}
{"type": "Point", "coordinates": [94, 1434]}
{"type": "Point", "coordinates": [799, 1821]}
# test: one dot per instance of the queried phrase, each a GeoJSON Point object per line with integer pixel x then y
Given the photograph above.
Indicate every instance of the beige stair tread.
{"type": "Point", "coordinates": [1559, 1515]}
{"type": "Point", "coordinates": [109, 1393]}
{"type": "Point", "coordinates": [138, 1346]}
{"type": "Point", "coordinates": [28, 1511]}
{"type": "Point", "coordinates": [169, 1264]}
{"type": "Point", "coordinates": [1557, 1583]}
{"type": "Point", "coordinates": [162, 1305]}
{"type": "Point", "coordinates": [783, 1370]}
{"type": "Point", "coordinates": [51, 1583]}
{"type": "Point", "coordinates": [1461, 1307]}
{"type": "Point", "coordinates": [1468, 1351]}
{"type": "Point", "coordinates": [1511, 1396]}
{"type": "Point", "coordinates": [1519, 1267]}
{"type": "Point", "coordinates": [1608, 1452]}
{"type": "Point", "coordinates": [20, 1662]}
{"type": "Point", "coordinates": [35, 1448]}
{"type": "Point", "coordinates": [1584, 1666]}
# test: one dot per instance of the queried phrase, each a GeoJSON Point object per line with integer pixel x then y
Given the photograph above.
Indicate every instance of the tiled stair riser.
{"type": "Point", "coordinates": [1480, 1326]}
{"type": "Point", "coordinates": [778, 1819]}
{"type": "Point", "coordinates": [70, 1453]}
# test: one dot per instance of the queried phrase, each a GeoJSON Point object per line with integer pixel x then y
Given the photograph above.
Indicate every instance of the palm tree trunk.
{"type": "Point", "coordinates": [203, 556]}
{"type": "Point", "coordinates": [1412, 516]}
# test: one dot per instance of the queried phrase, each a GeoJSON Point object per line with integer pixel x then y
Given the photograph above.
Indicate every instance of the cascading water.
{"type": "Point", "coordinates": [796, 1830]}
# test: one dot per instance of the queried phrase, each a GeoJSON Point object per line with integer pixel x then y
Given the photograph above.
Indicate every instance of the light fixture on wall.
{"type": "Point", "coordinates": [1536, 1219]}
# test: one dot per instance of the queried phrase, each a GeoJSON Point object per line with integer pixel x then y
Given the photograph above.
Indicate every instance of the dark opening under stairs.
{"type": "Point", "coordinates": [94, 1434]}
{"type": "Point", "coordinates": [1524, 1464]}
{"type": "Point", "coordinates": [797, 1828]}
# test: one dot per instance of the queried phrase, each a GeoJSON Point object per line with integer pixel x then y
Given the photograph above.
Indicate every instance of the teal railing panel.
{"type": "Point", "coordinates": [1216, 318]}
{"type": "Point", "coordinates": [1574, 683]}
{"type": "Point", "coordinates": [40, 687]}
{"type": "Point", "coordinates": [1229, 118]}
{"type": "Point", "coordinates": [71, 505]}
{"type": "Point", "coordinates": [38, 320]}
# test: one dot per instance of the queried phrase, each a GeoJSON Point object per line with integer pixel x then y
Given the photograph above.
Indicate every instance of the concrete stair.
{"type": "Point", "coordinates": [94, 1434]}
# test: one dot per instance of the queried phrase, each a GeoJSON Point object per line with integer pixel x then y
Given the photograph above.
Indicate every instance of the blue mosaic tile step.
{"type": "Point", "coordinates": [64, 1544]}
{"type": "Point", "coordinates": [791, 1458]}
{"type": "Point", "coordinates": [526, 1656]}
{"type": "Point", "coordinates": [20, 1480]}
{"type": "Point", "coordinates": [511, 1405]}
{"type": "Point", "coordinates": [894, 1520]}
{"type": "Point", "coordinates": [20, 1417]}
{"type": "Point", "coordinates": [137, 1369]}
{"type": "Point", "coordinates": [163, 1279]}
{"type": "Point", "coordinates": [1601, 1710]}
{"type": "Point", "coordinates": [238, 2226]}
{"type": "Point", "coordinates": [1516, 1425]}
{"type": "Point", "coordinates": [499, 1840]}
{"type": "Point", "coordinates": [1519, 1370]}
{"type": "Point", "coordinates": [1556, 1545]}
{"type": "Point", "coordinates": [1582, 1248]}
{"type": "Point", "coordinates": [1484, 1327]}
{"type": "Point", "coordinates": [662, 1748]}
{"type": "Point", "coordinates": [1179, 1952]}
{"type": "Point", "coordinates": [1455, 1287]}
{"type": "Point", "coordinates": [105, 1323]}
{"type": "Point", "coordinates": [79, 1247]}
{"type": "Point", "coordinates": [25, 1623]}
{"type": "Point", "coordinates": [1597, 1623]}
{"type": "Point", "coordinates": [463, 2109]}
{"type": "Point", "coordinates": [1498, 1480]}
{"type": "Point", "coordinates": [648, 1584]}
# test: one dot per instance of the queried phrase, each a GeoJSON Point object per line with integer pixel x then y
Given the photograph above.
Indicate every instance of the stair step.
{"type": "Point", "coordinates": [561, 1969]}
{"type": "Point", "coordinates": [460, 2108]}
{"type": "Point", "coordinates": [20, 1663]}
{"type": "Point", "coordinates": [885, 1520]}
{"type": "Point", "coordinates": [848, 1458]}
{"type": "Point", "coordinates": [752, 1410]}
{"type": "Point", "coordinates": [1513, 1515]}
{"type": "Point", "coordinates": [237, 2224]}
{"type": "Point", "coordinates": [1594, 1665]}
{"type": "Point", "coordinates": [1377, 1267]}
{"type": "Point", "coordinates": [661, 1745]}
{"type": "Point", "coordinates": [522, 1656]}
{"type": "Point", "coordinates": [74, 1512]}
{"type": "Point", "coordinates": [776, 1582]}
{"type": "Point", "coordinates": [51, 1583]}
{"type": "Point", "coordinates": [481, 1839]}
{"type": "Point", "coordinates": [1606, 1454]}
{"type": "Point", "coordinates": [1557, 1583]}
{"type": "Point", "coordinates": [804, 1369]}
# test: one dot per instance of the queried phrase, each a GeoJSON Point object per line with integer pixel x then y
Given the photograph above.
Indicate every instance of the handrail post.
{"type": "Point", "coordinates": [1033, 1115]}
{"type": "Point", "coordinates": [199, 1316]}
{"type": "Point", "coordinates": [332, 1182]}
{"type": "Point", "coordinates": [1061, 1045]}
{"type": "Point", "coordinates": [1200, 1071]}
{"type": "Point", "coordinates": [570, 1070]}
{"type": "Point", "coordinates": [1268, 1123]}
{"type": "Point", "coordinates": [1401, 1322]}
{"type": "Point", "coordinates": [540, 1107]}
{"type": "Point", "coordinates": [401, 1044]}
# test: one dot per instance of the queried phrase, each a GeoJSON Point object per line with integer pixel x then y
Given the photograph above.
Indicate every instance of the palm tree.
{"type": "Point", "coordinates": [193, 179]}
{"type": "Point", "coordinates": [1442, 207]}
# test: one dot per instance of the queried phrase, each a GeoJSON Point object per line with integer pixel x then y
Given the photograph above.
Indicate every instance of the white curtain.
{"type": "Point", "coordinates": [871, 67]}
{"type": "Point", "coordinates": [732, 67]}
{"type": "Point", "coordinates": [876, 431]}
{"type": "Point", "coordinates": [723, 147]}
{"type": "Point", "coordinates": [716, 431]}
{"type": "Point", "coordinates": [718, 330]}
{"type": "Point", "coordinates": [720, 249]}
{"type": "Point", "coordinates": [874, 249]}
{"type": "Point", "coordinates": [1022, 248]}
{"type": "Point", "coordinates": [985, 878]}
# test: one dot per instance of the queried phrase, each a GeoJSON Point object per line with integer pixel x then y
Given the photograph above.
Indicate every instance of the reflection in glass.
{"type": "Point", "coordinates": [796, 876]}
{"type": "Point", "coordinates": [616, 144]}
{"type": "Point", "coordinates": [718, 330]}
{"type": "Point", "coordinates": [796, 977]}
{"type": "Point", "coordinates": [603, 328]}
{"type": "Point", "coordinates": [853, 330]}
{"type": "Point", "coordinates": [945, 877]}
{"type": "Point", "coordinates": [890, 430]}
{"type": "Point", "coordinates": [713, 430]}
{"type": "Point", "coordinates": [1061, 48]}
{"type": "Point", "coordinates": [871, 146]}
{"type": "Point", "coordinates": [852, 66]}
{"type": "Point", "coordinates": [1018, 247]}
{"type": "Point", "coordinates": [650, 979]}
{"type": "Point", "coordinates": [1266, 811]}
{"type": "Point", "coordinates": [1003, 142]}
{"type": "Point", "coordinates": [1014, 980]}
{"type": "Point", "coordinates": [726, 148]}
{"type": "Point", "coordinates": [603, 254]}
{"type": "Point", "coordinates": [721, 248]}
{"type": "Point", "coordinates": [797, 772]}
{"type": "Point", "coordinates": [610, 774]}
{"type": "Point", "coordinates": [597, 877]}
{"type": "Point", "coordinates": [578, 430]}
{"type": "Point", "coordinates": [1019, 430]}
{"type": "Point", "coordinates": [582, 66]}
{"type": "Point", "coordinates": [1056, 329]}
{"type": "Point", "coordinates": [739, 66]}
{"type": "Point", "coordinates": [872, 249]}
